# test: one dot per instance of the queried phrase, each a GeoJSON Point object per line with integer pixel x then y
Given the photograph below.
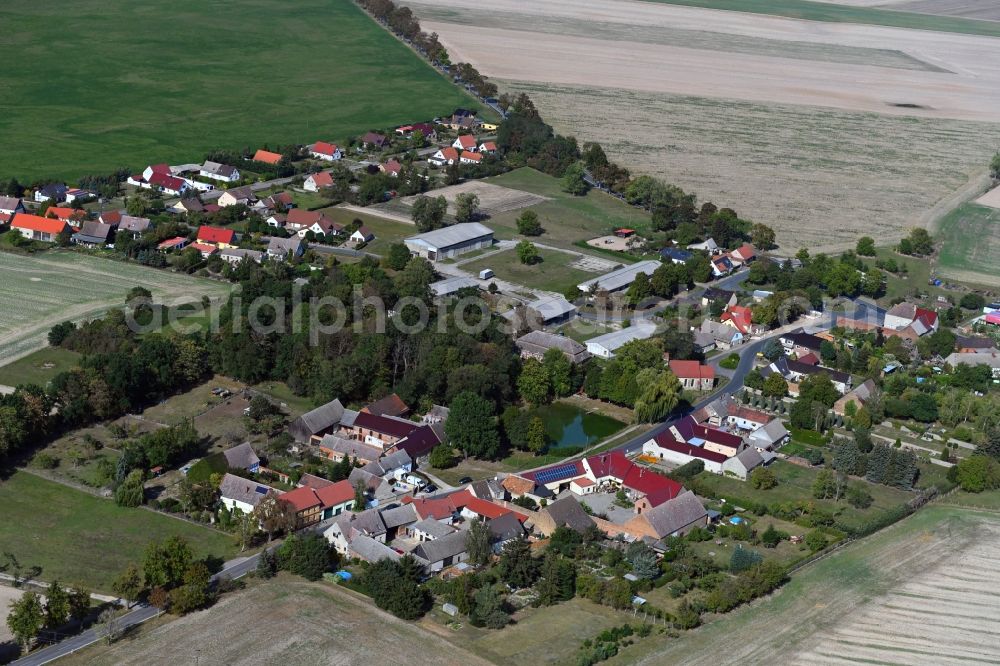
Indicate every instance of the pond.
{"type": "Point", "coordinates": [568, 425]}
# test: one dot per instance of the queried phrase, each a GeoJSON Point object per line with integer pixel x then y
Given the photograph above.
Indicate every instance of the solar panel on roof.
{"type": "Point", "coordinates": [549, 475]}
{"type": "Point", "coordinates": [261, 490]}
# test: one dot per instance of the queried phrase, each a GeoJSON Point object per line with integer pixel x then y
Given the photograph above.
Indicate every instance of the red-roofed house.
{"type": "Point", "coordinates": [391, 168]}
{"type": "Point", "coordinates": [175, 243]}
{"type": "Point", "coordinates": [317, 181]}
{"type": "Point", "coordinates": [266, 156]}
{"type": "Point", "coordinates": [167, 184]}
{"type": "Point", "coordinates": [217, 236]}
{"type": "Point", "coordinates": [744, 254]}
{"type": "Point", "coordinates": [739, 317]}
{"type": "Point", "coordinates": [322, 150]}
{"type": "Point", "coordinates": [480, 508]}
{"type": "Point", "coordinates": [470, 158]}
{"type": "Point", "coordinates": [615, 469]}
{"type": "Point", "coordinates": [35, 227]}
{"type": "Point", "coordinates": [488, 147]}
{"type": "Point", "coordinates": [693, 375]}
{"type": "Point", "coordinates": [465, 142]}
{"type": "Point", "coordinates": [336, 498]}
{"type": "Point", "coordinates": [427, 130]}
{"type": "Point", "coordinates": [666, 448]}
{"type": "Point", "coordinates": [380, 431]}
{"type": "Point", "coordinates": [112, 217]}
{"type": "Point", "coordinates": [307, 504]}
{"type": "Point", "coordinates": [205, 249]}
{"type": "Point", "coordinates": [443, 157]}
{"type": "Point", "coordinates": [68, 215]}
{"type": "Point", "coordinates": [440, 508]}
{"type": "Point", "coordinates": [163, 169]}
{"type": "Point", "coordinates": [808, 359]}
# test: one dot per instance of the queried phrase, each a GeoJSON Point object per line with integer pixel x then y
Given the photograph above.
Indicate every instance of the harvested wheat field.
{"type": "Point", "coordinates": [823, 130]}
{"type": "Point", "coordinates": [919, 592]}
{"type": "Point", "coordinates": [283, 621]}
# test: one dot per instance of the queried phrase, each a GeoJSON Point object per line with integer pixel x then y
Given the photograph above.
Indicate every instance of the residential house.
{"type": "Point", "coordinates": [391, 168]}
{"type": "Point", "coordinates": [739, 317]}
{"type": "Point", "coordinates": [744, 254]}
{"type": "Point", "coordinates": [190, 205]}
{"type": "Point", "coordinates": [337, 448]}
{"type": "Point", "coordinates": [276, 220]}
{"type": "Point", "coordinates": [709, 245]}
{"type": "Point", "coordinates": [175, 243]}
{"type": "Point", "coordinates": [362, 235]}
{"type": "Point", "coordinates": [769, 436]}
{"type": "Point", "coordinates": [205, 249]}
{"type": "Point", "coordinates": [242, 456]}
{"type": "Point", "coordinates": [11, 205]}
{"type": "Point", "coordinates": [308, 506]}
{"type": "Point", "coordinates": [322, 150]}
{"type": "Point", "coordinates": [438, 554]}
{"type": "Point", "coordinates": [450, 241]}
{"type": "Point", "coordinates": [801, 343]}
{"type": "Point", "coordinates": [222, 172]}
{"type": "Point", "coordinates": [465, 142]}
{"type": "Point", "coordinates": [374, 140]}
{"type": "Point", "coordinates": [280, 249]}
{"type": "Point", "coordinates": [76, 194]}
{"type": "Point", "coordinates": [267, 157]}
{"type": "Point", "coordinates": [420, 441]}
{"type": "Point", "coordinates": [715, 295]}
{"type": "Point", "coordinates": [133, 226]}
{"type": "Point", "coordinates": [990, 359]}
{"type": "Point", "coordinates": [620, 278]}
{"type": "Point", "coordinates": [605, 346]}
{"type": "Point", "coordinates": [795, 371]}
{"type": "Point", "coordinates": [37, 228]}
{"type": "Point", "coordinates": [470, 158]}
{"type": "Point", "coordinates": [304, 221]}
{"type": "Point", "coordinates": [694, 375]}
{"type": "Point", "coordinates": [217, 236]}
{"type": "Point", "coordinates": [93, 234]}
{"type": "Point", "coordinates": [503, 529]}
{"type": "Point", "coordinates": [426, 129]}
{"type": "Point", "coordinates": [675, 255]}
{"type": "Point", "coordinates": [317, 181]}
{"type": "Point", "coordinates": [394, 466]}
{"type": "Point", "coordinates": [236, 196]}
{"type": "Point", "coordinates": [70, 216]}
{"type": "Point", "coordinates": [443, 157]}
{"type": "Point", "coordinates": [535, 343]}
{"type": "Point", "coordinates": [51, 192]}
{"type": "Point", "coordinates": [743, 463]}
{"type": "Point", "coordinates": [903, 316]}
{"type": "Point", "coordinates": [380, 431]}
{"type": "Point", "coordinates": [722, 265]}
{"type": "Point", "coordinates": [234, 256]}
{"type": "Point", "coordinates": [858, 397]}
{"type": "Point", "coordinates": [243, 494]}
{"type": "Point", "coordinates": [311, 426]}
{"type": "Point", "coordinates": [168, 185]}
{"type": "Point", "coordinates": [717, 335]}
{"type": "Point", "coordinates": [675, 517]}
{"type": "Point", "coordinates": [689, 431]}
{"type": "Point", "coordinates": [273, 202]}
{"type": "Point", "coordinates": [487, 147]}
{"type": "Point", "coordinates": [565, 512]}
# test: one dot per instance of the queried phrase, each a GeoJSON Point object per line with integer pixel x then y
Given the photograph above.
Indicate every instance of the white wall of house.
{"type": "Point", "coordinates": [651, 448]}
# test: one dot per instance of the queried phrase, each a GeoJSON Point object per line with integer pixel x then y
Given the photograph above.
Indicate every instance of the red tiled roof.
{"type": "Point", "coordinates": [204, 248]}
{"type": "Point", "coordinates": [384, 425]}
{"type": "Point", "coordinates": [809, 359]}
{"type": "Point", "coordinates": [110, 217]}
{"type": "Point", "coordinates": [160, 168]}
{"type": "Point", "coordinates": [302, 498]}
{"type": "Point", "coordinates": [208, 234]}
{"type": "Point", "coordinates": [691, 370]}
{"type": "Point", "coordinates": [467, 141]}
{"type": "Point", "coordinates": [171, 242]}
{"type": "Point", "coordinates": [489, 145]}
{"type": "Point", "coordinates": [740, 315]}
{"type": "Point", "coordinates": [746, 251]}
{"type": "Point", "coordinates": [449, 153]}
{"type": "Point", "coordinates": [37, 223]}
{"type": "Point", "coordinates": [472, 157]}
{"type": "Point", "coordinates": [717, 436]}
{"type": "Point", "coordinates": [439, 508]}
{"type": "Point", "coordinates": [392, 166]}
{"type": "Point", "coordinates": [167, 182]}
{"type": "Point", "coordinates": [65, 214]}
{"type": "Point", "coordinates": [485, 508]}
{"type": "Point", "coordinates": [390, 405]}
{"type": "Point", "coordinates": [322, 179]}
{"type": "Point", "coordinates": [266, 156]}
{"type": "Point", "coordinates": [335, 494]}
{"type": "Point", "coordinates": [324, 148]}
{"type": "Point", "coordinates": [927, 317]}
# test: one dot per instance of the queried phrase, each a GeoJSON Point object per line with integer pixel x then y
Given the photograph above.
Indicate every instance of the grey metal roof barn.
{"type": "Point", "coordinates": [536, 343]}
{"type": "Point", "coordinates": [451, 285]}
{"type": "Point", "coordinates": [316, 421]}
{"type": "Point", "coordinates": [450, 241]}
{"type": "Point", "coordinates": [619, 278]}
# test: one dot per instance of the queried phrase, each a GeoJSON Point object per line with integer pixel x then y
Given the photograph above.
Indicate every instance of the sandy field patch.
{"type": "Point", "coordinates": [8, 595]}
{"type": "Point", "coordinates": [614, 243]}
{"type": "Point", "coordinates": [493, 199]}
{"type": "Point", "coordinates": [991, 198]}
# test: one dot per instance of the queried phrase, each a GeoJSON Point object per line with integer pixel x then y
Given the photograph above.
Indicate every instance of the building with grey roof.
{"type": "Point", "coordinates": [772, 434]}
{"type": "Point", "coordinates": [235, 255]}
{"type": "Point", "coordinates": [391, 464]}
{"type": "Point", "coordinates": [990, 359]}
{"type": "Point", "coordinates": [242, 456]}
{"type": "Point", "coordinates": [452, 285]}
{"type": "Point", "coordinates": [317, 422]}
{"type": "Point", "coordinates": [534, 344]}
{"type": "Point", "coordinates": [620, 278]}
{"type": "Point", "coordinates": [552, 309]}
{"type": "Point", "coordinates": [134, 225]}
{"type": "Point", "coordinates": [605, 345]}
{"type": "Point", "coordinates": [337, 448]}
{"type": "Point", "coordinates": [443, 552]}
{"type": "Point", "coordinates": [743, 463]}
{"type": "Point", "coordinates": [243, 494]}
{"type": "Point", "coordinates": [565, 512]}
{"type": "Point", "coordinates": [674, 517]}
{"type": "Point", "coordinates": [370, 550]}
{"type": "Point", "coordinates": [450, 241]}
{"type": "Point", "coordinates": [505, 528]}
{"type": "Point", "coordinates": [400, 516]}
{"type": "Point", "coordinates": [429, 529]}
{"type": "Point", "coordinates": [281, 249]}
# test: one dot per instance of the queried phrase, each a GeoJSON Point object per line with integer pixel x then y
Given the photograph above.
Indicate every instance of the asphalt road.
{"type": "Point", "coordinates": [232, 569]}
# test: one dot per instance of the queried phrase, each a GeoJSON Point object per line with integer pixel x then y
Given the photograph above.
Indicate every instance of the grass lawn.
{"type": "Point", "coordinates": [168, 82]}
{"type": "Point", "coordinates": [386, 231]}
{"type": "Point", "coordinates": [985, 500]}
{"type": "Point", "coordinates": [552, 273]}
{"type": "Point", "coordinates": [38, 367]}
{"type": "Point", "coordinates": [566, 219]}
{"type": "Point", "coordinates": [971, 247]}
{"type": "Point", "coordinates": [794, 484]}
{"type": "Point", "coordinates": [80, 538]}
{"type": "Point", "coordinates": [296, 404]}
{"type": "Point", "coordinates": [836, 13]}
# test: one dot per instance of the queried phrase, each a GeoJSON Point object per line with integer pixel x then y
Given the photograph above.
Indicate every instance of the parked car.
{"type": "Point", "coordinates": [465, 479]}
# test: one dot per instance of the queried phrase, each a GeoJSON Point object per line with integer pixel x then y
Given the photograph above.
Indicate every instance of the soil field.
{"type": "Point", "coordinates": [867, 129]}
{"type": "Point", "coordinates": [293, 622]}
{"type": "Point", "coordinates": [168, 82]}
{"type": "Point", "coordinates": [991, 198]}
{"type": "Point", "coordinates": [919, 592]}
{"type": "Point", "coordinates": [493, 199]}
{"type": "Point", "coordinates": [43, 290]}
{"type": "Point", "coordinates": [971, 247]}
{"type": "Point", "coordinates": [981, 10]}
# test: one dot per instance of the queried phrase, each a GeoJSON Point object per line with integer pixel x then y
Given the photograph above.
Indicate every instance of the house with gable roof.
{"type": "Point", "coordinates": [322, 150]}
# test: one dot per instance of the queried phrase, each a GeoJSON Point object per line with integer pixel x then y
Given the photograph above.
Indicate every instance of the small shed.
{"type": "Point", "coordinates": [450, 609]}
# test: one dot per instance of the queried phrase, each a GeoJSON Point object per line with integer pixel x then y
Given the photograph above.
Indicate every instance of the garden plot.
{"type": "Point", "coordinates": [585, 262]}
{"type": "Point", "coordinates": [493, 199]}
